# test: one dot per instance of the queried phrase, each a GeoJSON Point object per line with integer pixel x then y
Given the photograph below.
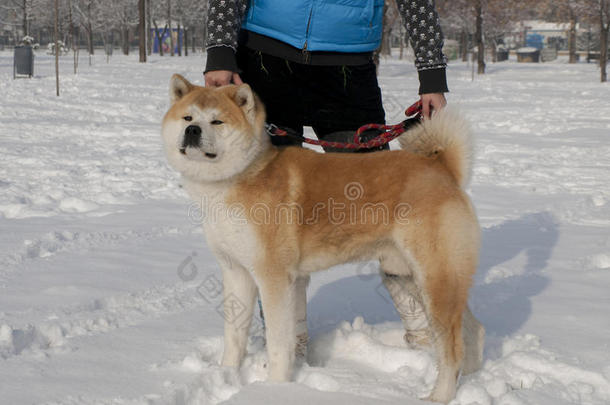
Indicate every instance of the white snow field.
{"type": "Point", "coordinates": [109, 295]}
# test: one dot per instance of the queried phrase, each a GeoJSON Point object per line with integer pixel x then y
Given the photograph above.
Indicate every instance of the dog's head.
{"type": "Point", "coordinates": [212, 134]}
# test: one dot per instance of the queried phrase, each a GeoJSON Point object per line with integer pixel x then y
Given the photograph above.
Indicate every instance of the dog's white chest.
{"type": "Point", "coordinates": [229, 236]}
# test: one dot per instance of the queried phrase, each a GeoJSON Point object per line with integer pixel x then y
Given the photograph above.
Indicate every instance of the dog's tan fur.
{"type": "Point", "coordinates": [436, 242]}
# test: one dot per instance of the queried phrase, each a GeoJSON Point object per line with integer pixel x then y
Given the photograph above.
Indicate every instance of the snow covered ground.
{"type": "Point", "coordinates": [108, 294]}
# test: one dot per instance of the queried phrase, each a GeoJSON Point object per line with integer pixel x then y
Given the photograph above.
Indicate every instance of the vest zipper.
{"type": "Point", "coordinates": [305, 51]}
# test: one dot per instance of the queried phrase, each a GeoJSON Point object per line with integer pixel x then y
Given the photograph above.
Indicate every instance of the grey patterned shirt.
{"type": "Point", "coordinates": [419, 17]}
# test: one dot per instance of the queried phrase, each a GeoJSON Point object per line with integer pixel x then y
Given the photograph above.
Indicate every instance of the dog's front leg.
{"type": "Point", "coordinates": [277, 292]}
{"type": "Point", "coordinates": [239, 292]}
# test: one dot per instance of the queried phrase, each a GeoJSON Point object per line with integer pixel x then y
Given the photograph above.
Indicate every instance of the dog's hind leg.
{"type": "Point", "coordinates": [302, 337]}
{"type": "Point", "coordinates": [474, 342]}
{"type": "Point", "coordinates": [444, 305]}
{"type": "Point", "coordinates": [408, 303]}
{"type": "Point", "coordinates": [278, 295]}
{"type": "Point", "coordinates": [445, 260]}
{"type": "Point", "coordinates": [239, 292]}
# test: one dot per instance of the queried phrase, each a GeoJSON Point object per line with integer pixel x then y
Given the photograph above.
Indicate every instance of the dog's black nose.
{"type": "Point", "coordinates": [192, 136]}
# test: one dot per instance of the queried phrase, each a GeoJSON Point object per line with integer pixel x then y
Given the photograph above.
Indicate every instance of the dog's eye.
{"type": "Point", "coordinates": [216, 122]}
{"type": "Point", "coordinates": [188, 118]}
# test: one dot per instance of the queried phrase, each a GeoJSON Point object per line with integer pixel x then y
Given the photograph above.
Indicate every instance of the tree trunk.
{"type": "Point", "coordinates": [572, 38]}
{"type": "Point", "coordinates": [89, 42]}
{"type": "Point", "coordinates": [603, 52]}
{"type": "Point", "coordinates": [57, 47]}
{"type": "Point", "coordinates": [89, 31]}
{"type": "Point", "coordinates": [25, 18]}
{"type": "Point", "coordinates": [73, 36]}
{"type": "Point", "coordinates": [149, 25]}
{"type": "Point", "coordinates": [169, 23]}
{"type": "Point", "coordinates": [386, 33]}
{"type": "Point", "coordinates": [464, 45]}
{"type": "Point", "coordinates": [193, 41]}
{"type": "Point", "coordinates": [125, 39]}
{"type": "Point", "coordinates": [108, 44]}
{"type": "Point", "coordinates": [77, 54]}
{"type": "Point", "coordinates": [142, 30]}
{"type": "Point", "coordinates": [186, 42]}
{"type": "Point", "coordinates": [402, 44]}
{"type": "Point", "coordinates": [179, 44]}
{"type": "Point", "coordinates": [479, 38]}
{"type": "Point", "coordinates": [160, 36]}
{"type": "Point", "coordinates": [204, 36]}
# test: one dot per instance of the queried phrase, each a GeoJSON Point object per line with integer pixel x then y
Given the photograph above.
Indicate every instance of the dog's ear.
{"type": "Point", "coordinates": [245, 99]}
{"type": "Point", "coordinates": [178, 88]}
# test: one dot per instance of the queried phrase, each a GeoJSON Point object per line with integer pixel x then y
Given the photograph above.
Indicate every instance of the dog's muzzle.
{"type": "Point", "coordinates": [193, 139]}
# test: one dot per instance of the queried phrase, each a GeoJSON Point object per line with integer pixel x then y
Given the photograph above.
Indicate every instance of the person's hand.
{"type": "Point", "coordinates": [216, 78]}
{"type": "Point", "coordinates": [432, 101]}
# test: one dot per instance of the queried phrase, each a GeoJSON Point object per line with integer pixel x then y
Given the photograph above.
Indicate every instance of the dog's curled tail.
{"type": "Point", "coordinates": [446, 136]}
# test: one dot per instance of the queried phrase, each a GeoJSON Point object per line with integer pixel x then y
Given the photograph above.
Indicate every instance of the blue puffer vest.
{"type": "Point", "coordinates": [319, 25]}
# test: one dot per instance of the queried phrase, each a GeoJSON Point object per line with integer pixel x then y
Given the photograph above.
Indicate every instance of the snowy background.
{"type": "Point", "coordinates": [108, 294]}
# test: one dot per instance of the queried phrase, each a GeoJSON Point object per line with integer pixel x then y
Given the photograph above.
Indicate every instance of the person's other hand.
{"type": "Point", "coordinates": [216, 78]}
{"type": "Point", "coordinates": [432, 101]}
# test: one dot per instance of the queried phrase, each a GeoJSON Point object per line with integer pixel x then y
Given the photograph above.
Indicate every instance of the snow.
{"type": "Point", "coordinates": [109, 295]}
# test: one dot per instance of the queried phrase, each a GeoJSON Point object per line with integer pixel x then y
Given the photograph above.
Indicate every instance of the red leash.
{"type": "Point", "coordinates": [388, 132]}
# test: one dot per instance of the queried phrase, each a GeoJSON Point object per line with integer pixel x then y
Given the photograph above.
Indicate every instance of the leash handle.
{"type": "Point", "coordinates": [389, 132]}
{"type": "Point", "coordinates": [414, 109]}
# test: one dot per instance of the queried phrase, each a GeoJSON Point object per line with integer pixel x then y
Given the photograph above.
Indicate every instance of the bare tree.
{"type": "Point", "coordinates": [604, 23]}
{"type": "Point", "coordinates": [192, 14]}
{"type": "Point", "coordinates": [487, 21]}
{"type": "Point", "coordinates": [169, 24]}
{"type": "Point", "coordinates": [57, 47]}
{"type": "Point", "coordinates": [391, 17]}
{"type": "Point", "coordinates": [149, 25]}
{"type": "Point", "coordinates": [159, 36]}
{"type": "Point", "coordinates": [565, 10]}
{"type": "Point", "coordinates": [73, 35]}
{"type": "Point", "coordinates": [478, 12]}
{"type": "Point", "coordinates": [458, 21]}
{"type": "Point", "coordinates": [600, 11]}
{"type": "Point", "coordinates": [89, 17]}
{"type": "Point", "coordinates": [23, 8]}
{"type": "Point", "coordinates": [569, 9]}
{"type": "Point", "coordinates": [120, 15]}
{"type": "Point", "coordinates": [22, 13]}
{"type": "Point", "coordinates": [500, 18]}
{"type": "Point", "coordinates": [142, 29]}
{"type": "Point", "coordinates": [158, 13]}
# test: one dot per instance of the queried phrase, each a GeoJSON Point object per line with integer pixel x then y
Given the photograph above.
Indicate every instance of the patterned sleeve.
{"type": "Point", "coordinates": [224, 22]}
{"type": "Point", "coordinates": [424, 29]}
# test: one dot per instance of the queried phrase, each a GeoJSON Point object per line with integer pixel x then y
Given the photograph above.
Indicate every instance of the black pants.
{"type": "Point", "coordinates": [327, 98]}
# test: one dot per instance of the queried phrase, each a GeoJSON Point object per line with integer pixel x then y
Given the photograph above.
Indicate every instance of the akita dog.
{"type": "Point", "coordinates": [274, 215]}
